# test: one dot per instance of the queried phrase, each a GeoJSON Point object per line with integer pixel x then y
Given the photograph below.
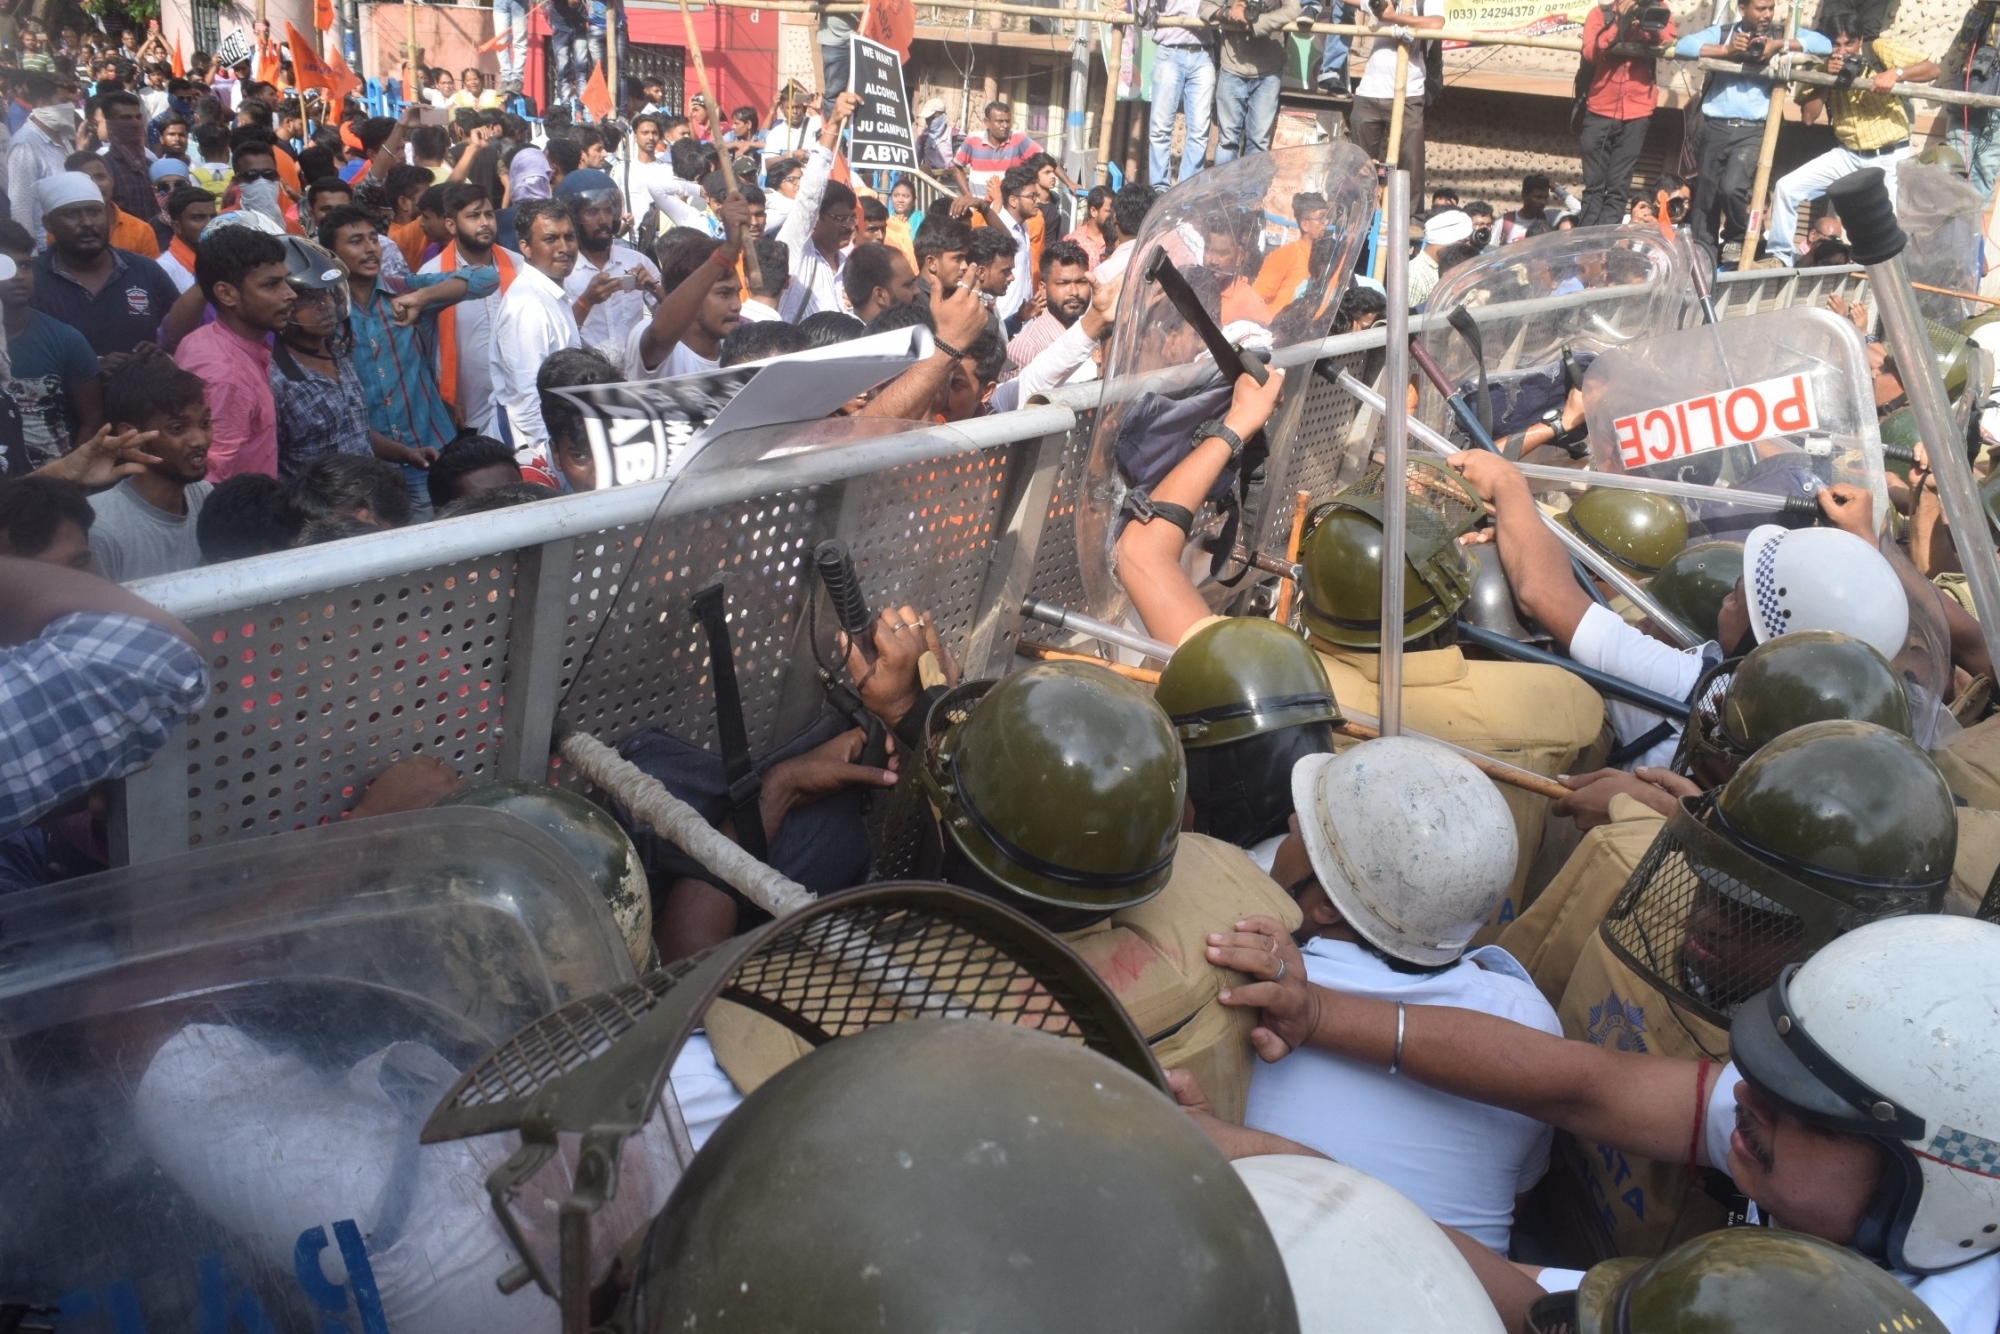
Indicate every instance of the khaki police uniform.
{"type": "Point", "coordinates": [1541, 718]}
{"type": "Point", "coordinates": [1152, 956]}
{"type": "Point", "coordinates": [1551, 935]}
{"type": "Point", "coordinates": [1644, 1207]}
{"type": "Point", "coordinates": [1971, 764]}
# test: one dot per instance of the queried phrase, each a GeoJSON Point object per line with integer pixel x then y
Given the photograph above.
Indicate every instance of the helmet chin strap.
{"type": "Point", "coordinates": [1879, 1234]}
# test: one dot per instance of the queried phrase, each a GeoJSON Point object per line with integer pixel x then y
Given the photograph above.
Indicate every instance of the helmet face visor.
{"type": "Point", "coordinates": [320, 310]}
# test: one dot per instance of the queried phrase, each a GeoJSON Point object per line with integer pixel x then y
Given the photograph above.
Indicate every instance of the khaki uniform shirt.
{"type": "Point", "coordinates": [1153, 957]}
{"type": "Point", "coordinates": [1540, 718]}
{"type": "Point", "coordinates": [1551, 935]}
{"type": "Point", "coordinates": [1971, 764]}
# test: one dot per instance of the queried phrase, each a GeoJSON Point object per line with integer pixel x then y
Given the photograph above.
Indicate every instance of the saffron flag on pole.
{"type": "Point", "coordinates": [596, 97]}
{"type": "Point", "coordinates": [180, 62]}
{"type": "Point", "coordinates": [893, 23]}
{"type": "Point", "coordinates": [323, 16]}
{"type": "Point", "coordinates": [315, 71]}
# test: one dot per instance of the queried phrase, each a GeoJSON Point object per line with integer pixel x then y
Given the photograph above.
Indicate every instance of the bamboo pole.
{"type": "Point", "coordinates": [1921, 92]}
{"type": "Point", "coordinates": [1393, 153]}
{"type": "Point", "coordinates": [1947, 291]}
{"type": "Point", "coordinates": [1300, 504]}
{"type": "Point", "coordinates": [1753, 235]}
{"type": "Point", "coordinates": [1029, 648]}
{"type": "Point", "coordinates": [412, 84]}
{"type": "Point", "coordinates": [751, 273]}
{"type": "Point", "coordinates": [1114, 66]}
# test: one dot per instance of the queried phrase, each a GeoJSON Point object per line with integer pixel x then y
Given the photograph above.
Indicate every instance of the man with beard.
{"type": "Point", "coordinates": [611, 282]}
{"type": "Point", "coordinates": [465, 330]}
{"type": "Point", "coordinates": [114, 298]}
{"type": "Point", "coordinates": [1066, 288]}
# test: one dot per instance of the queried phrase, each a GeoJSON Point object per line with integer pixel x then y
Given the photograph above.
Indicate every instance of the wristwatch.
{"type": "Point", "coordinates": [1213, 429]}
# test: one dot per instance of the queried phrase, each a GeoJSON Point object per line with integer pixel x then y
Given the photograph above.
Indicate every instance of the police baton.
{"type": "Point", "coordinates": [1231, 360]}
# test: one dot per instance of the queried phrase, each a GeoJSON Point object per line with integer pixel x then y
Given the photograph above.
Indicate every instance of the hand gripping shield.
{"type": "Point", "coordinates": [1342, 556]}
{"type": "Point", "coordinates": [885, 954]}
{"type": "Point", "coordinates": [1233, 231]}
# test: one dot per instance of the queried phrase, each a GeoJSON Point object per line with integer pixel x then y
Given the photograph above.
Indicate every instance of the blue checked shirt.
{"type": "Point", "coordinates": [1736, 96]}
{"type": "Point", "coordinates": [92, 697]}
{"type": "Point", "coordinates": [399, 366]}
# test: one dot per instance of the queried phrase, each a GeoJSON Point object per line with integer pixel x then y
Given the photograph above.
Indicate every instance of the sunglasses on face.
{"type": "Point", "coordinates": [271, 175]}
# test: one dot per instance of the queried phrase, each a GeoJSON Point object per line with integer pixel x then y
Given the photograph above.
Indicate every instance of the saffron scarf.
{"type": "Point", "coordinates": [447, 324]}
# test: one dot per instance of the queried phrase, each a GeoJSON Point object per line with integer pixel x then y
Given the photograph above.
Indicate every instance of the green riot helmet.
{"type": "Point", "coordinates": [1693, 583]}
{"type": "Point", "coordinates": [1248, 699]}
{"type": "Point", "coordinates": [594, 839]}
{"type": "Point", "coordinates": [1062, 783]}
{"type": "Point", "coordinates": [1342, 557]}
{"type": "Point", "coordinates": [1740, 1280]}
{"type": "Point", "coordinates": [1830, 826]}
{"type": "Point", "coordinates": [1636, 531]}
{"type": "Point", "coordinates": [1808, 676]}
{"type": "Point", "coordinates": [1034, 1185]}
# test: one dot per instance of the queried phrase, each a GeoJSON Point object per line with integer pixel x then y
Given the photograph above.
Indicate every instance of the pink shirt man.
{"type": "Point", "coordinates": [236, 373]}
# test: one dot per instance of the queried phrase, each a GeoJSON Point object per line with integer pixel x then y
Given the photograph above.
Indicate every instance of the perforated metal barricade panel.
{"type": "Point", "coordinates": [1329, 452]}
{"type": "Point", "coordinates": [1057, 577]}
{"type": "Point", "coordinates": [316, 694]}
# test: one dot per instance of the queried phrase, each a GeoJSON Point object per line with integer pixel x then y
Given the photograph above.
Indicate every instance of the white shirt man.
{"type": "Point", "coordinates": [680, 360]}
{"type": "Point", "coordinates": [815, 277]}
{"type": "Point", "coordinates": [1605, 643]}
{"type": "Point", "coordinates": [756, 312]}
{"type": "Point", "coordinates": [609, 322]}
{"type": "Point", "coordinates": [472, 327]}
{"type": "Point", "coordinates": [1460, 1162]}
{"type": "Point", "coordinates": [533, 321]}
{"type": "Point", "coordinates": [1378, 77]}
{"type": "Point", "coordinates": [1024, 269]}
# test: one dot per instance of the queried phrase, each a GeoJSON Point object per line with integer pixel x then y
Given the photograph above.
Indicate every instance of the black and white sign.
{"type": "Point", "coordinates": [880, 126]}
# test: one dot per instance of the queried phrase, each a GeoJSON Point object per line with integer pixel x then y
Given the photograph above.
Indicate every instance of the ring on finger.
{"type": "Point", "coordinates": [1282, 965]}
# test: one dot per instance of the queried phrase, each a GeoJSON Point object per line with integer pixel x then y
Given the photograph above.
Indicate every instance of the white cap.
{"type": "Point", "coordinates": [67, 188]}
{"type": "Point", "coordinates": [1448, 228]}
{"type": "Point", "coordinates": [1823, 579]}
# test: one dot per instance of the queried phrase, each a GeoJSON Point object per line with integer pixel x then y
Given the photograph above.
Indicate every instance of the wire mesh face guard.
{"type": "Point", "coordinates": [1438, 511]}
{"type": "Point", "coordinates": [885, 954]}
{"type": "Point", "coordinates": [1712, 925]}
{"type": "Point", "coordinates": [1707, 753]}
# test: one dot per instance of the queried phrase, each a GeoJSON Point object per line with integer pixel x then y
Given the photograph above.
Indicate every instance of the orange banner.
{"type": "Point", "coordinates": [893, 23]}
{"type": "Point", "coordinates": [314, 71]}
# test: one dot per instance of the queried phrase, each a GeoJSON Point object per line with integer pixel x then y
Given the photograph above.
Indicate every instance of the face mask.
{"type": "Point", "coordinates": [262, 197]}
{"type": "Point", "coordinates": [181, 106]}
{"type": "Point", "coordinates": [129, 135]}
{"type": "Point", "coordinates": [58, 123]}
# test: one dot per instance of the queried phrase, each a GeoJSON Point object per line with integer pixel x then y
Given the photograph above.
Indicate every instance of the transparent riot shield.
{"type": "Point", "coordinates": [217, 1066]}
{"type": "Point", "coordinates": [1235, 233]}
{"type": "Point", "coordinates": [1547, 306]}
{"type": "Point", "coordinates": [1942, 216]}
{"type": "Point", "coordinates": [1778, 403]}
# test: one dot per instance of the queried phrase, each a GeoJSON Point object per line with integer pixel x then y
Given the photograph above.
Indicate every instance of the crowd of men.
{"type": "Point", "coordinates": [1742, 972]}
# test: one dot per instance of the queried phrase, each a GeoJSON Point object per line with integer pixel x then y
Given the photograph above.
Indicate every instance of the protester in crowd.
{"type": "Point", "coordinates": [1733, 111]}
{"type": "Point", "coordinates": [612, 284]}
{"type": "Point", "coordinates": [1285, 270]}
{"type": "Point", "coordinates": [761, 341]}
{"type": "Point", "coordinates": [146, 524]}
{"type": "Point", "coordinates": [1441, 230]}
{"type": "Point", "coordinates": [1246, 89]}
{"type": "Point", "coordinates": [465, 329]}
{"type": "Point", "coordinates": [877, 278]}
{"type": "Point", "coordinates": [1619, 105]}
{"type": "Point", "coordinates": [1374, 97]}
{"type": "Point", "coordinates": [1183, 85]}
{"type": "Point", "coordinates": [941, 245]}
{"type": "Point", "coordinates": [536, 318]}
{"type": "Point", "coordinates": [115, 299]}
{"type": "Point", "coordinates": [128, 233]}
{"type": "Point", "coordinates": [72, 647]}
{"type": "Point", "coordinates": [125, 153]}
{"type": "Point", "coordinates": [395, 340]}
{"type": "Point", "coordinates": [470, 465]}
{"type": "Point", "coordinates": [568, 441]}
{"type": "Point", "coordinates": [353, 486]}
{"type": "Point", "coordinates": [992, 265]}
{"type": "Point", "coordinates": [46, 519]}
{"type": "Point", "coordinates": [702, 305]}
{"type": "Point", "coordinates": [1870, 124]}
{"type": "Point", "coordinates": [41, 144]}
{"type": "Point", "coordinates": [247, 515]}
{"type": "Point", "coordinates": [1128, 210]}
{"type": "Point", "coordinates": [819, 225]}
{"type": "Point", "coordinates": [243, 276]}
{"type": "Point", "coordinates": [54, 374]}
{"type": "Point", "coordinates": [987, 156]}
{"type": "Point", "coordinates": [1096, 228]}
{"type": "Point", "coordinates": [1066, 291]}
{"type": "Point", "coordinates": [774, 275]}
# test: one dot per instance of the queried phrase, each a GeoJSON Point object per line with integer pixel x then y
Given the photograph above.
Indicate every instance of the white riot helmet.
{"type": "Point", "coordinates": [1342, 1233]}
{"type": "Point", "coordinates": [1823, 579]}
{"type": "Point", "coordinates": [1413, 845]}
{"type": "Point", "coordinates": [1893, 1031]}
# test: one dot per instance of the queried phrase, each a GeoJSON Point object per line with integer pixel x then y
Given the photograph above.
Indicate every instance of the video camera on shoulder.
{"type": "Point", "coordinates": [1653, 20]}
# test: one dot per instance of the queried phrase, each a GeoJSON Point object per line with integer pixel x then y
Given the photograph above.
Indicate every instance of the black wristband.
{"type": "Point", "coordinates": [956, 354]}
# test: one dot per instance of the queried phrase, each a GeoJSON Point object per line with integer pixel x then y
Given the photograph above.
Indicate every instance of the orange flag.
{"type": "Point", "coordinates": [323, 15]}
{"type": "Point", "coordinates": [890, 22]}
{"type": "Point", "coordinates": [314, 71]}
{"type": "Point", "coordinates": [180, 65]}
{"type": "Point", "coordinates": [596, 97]}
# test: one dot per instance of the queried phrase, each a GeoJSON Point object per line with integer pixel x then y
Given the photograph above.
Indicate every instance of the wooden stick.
{"type": "Point", "coordinates": [1962, 296]}
{"type": "Point", "coordinates": [1114, 66]}
{"type": "Point", "coordinates": [752, 275]}
{"type": "Point", "coordinates": [1753, 236]}
{"type": "Point", "coordinates": [1379, 260]}
{"type": "Point", "coordinates": [1029, 648]}
{"type": "Point", "coordinates": [1300, 504]}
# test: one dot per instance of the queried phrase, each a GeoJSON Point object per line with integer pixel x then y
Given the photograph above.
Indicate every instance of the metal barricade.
{"type": "Point", "coordinates": [464, 639]}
